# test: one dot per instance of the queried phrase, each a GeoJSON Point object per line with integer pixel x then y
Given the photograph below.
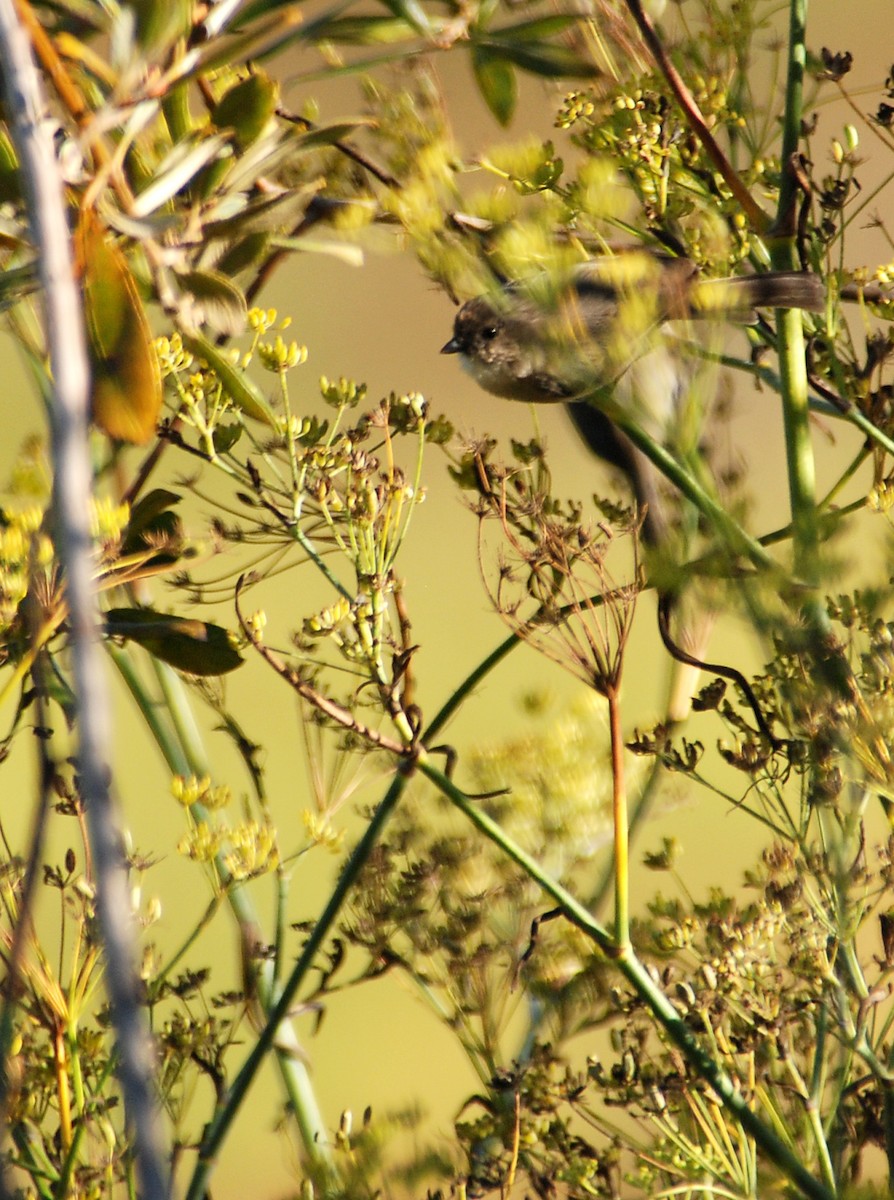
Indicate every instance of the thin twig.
{"type": "Point", "coordinates": [335, 712]}
{"type": "Point", "coordinates": [757, 218]}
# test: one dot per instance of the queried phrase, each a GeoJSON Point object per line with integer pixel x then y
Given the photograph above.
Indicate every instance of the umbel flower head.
{"type": "Point", "coordinates": [549, 577]}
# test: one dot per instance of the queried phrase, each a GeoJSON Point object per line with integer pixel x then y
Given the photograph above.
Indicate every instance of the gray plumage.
{"type": "Point", "coordinates": [604, 331]}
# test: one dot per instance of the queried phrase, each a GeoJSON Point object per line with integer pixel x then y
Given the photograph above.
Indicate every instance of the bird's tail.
{"type": "Point", "coordinates": [740, 296]}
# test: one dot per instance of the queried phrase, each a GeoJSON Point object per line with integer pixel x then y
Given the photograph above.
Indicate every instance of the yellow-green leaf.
{"type": "Point", "coordinates": [247, 107]}
{"type": "Point", "coordinates": [10, 180]}
{"type": "Point", "coordinates": [127, 390]}
{"type": "Point", "coordinates": [243, 393]}
{"type": "Point", "coordinates": [153, 525]}
{"type": "Point", "coordinates": [215, 300]}
{"type": "Point", "coordinates": [196, 647]}
{"type": "Point", "coordinates": [160, 22]}
{"type": "Point", "coordinates": [497, 81]}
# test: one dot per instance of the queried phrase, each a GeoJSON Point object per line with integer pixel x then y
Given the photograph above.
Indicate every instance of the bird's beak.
{"type": "Point", "coordinates": [452, 347]}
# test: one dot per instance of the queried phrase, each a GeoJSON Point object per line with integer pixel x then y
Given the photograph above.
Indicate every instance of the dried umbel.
{"type": "Point", "coordinates": [549, 577]}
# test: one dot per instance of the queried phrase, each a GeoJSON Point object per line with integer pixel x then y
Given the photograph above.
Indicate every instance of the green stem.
{"type": "Point", "coordinates": [846, 412]}
{"type": "Point", "coordinates": [817, 1091]}
{"type": "Point", "coordinates": [150, 710]}
{"type": "Point", "coordinates": [789, 327]}
{"type": "Point", "coordinates": [34, 1162]}
{"type": "Point", "coordinates": [888, 1122]}
{"type": "Point", "coordinates": [798, 446]}
{"type": "Point", "coordinates": [739, 541]}
{"type": "Point", "coordinates": [468, 685]}
{"type": "Point", "coordinates": [181, 744]}
{"type": "Point", "coordinates": [825, 504]}
{"type": "Point", "coordinates": [639, 977]}
{"type": "Point", "coordinates": [220, 1123]}
{"type": "Point", "coordinates": [191, 938]}
{"type": "Point", "coordinates": [289, 1055]}
{"type": "Point", "coordinates": [622, 834]}
{"type": "Point", "coordinates": [794, 107]}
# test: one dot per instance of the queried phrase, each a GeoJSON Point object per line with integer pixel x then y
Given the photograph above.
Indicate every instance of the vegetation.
{"type": "Point", "coordinates": [749, 1045]}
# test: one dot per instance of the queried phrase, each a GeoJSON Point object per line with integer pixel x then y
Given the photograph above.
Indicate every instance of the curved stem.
{"type": "Point", "coordinates": [468, 685]}
{"type": "Point", "coordinates": [640, 978]}
{"type": "Point", "coordinates": [217, 1128]}
{"type": "Point", "coordinates": [739, 541]}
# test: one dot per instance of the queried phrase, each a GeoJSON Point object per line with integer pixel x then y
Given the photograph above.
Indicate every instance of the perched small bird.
{"type": "Point", "coordinates": [603, 332]}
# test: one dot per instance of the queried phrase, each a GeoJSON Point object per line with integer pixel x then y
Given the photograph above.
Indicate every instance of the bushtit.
{"type": "Point", "coordinates": [602, 332]}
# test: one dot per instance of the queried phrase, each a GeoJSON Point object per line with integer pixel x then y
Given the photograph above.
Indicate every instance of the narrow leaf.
{"type": "Point", "coordinates": [196, 647]}
{"type": "Point", "coordinates": [265, 214]}
{"type": "Point", "coordinates": [214, 300]}
{"type": "Point", "coordinates": [243, 393]}
{"type": "Point", "coordinates": [10, 181]}
{"type": "Point", "coordinates": [346, 252]}
{"type": "Point", "coordinates": [543, 58]}
{"type": "Point", "coordinates": [177, 170]}
{"type": "Point", "coordinates": [160, 22]}
{"type": "Point", "coordinates": [364, 31]}
{"type": "Point", "coordinates": [328, 135]}
{"type": "Point", "coordinates": [154, 525]}
{"type": "Point", "coordinates": [537, 29]}
{"type": "Point", "coordinates": [244, 253]}
{"type": "Point", "coordinates": [496, 81]}
{"type": "Point", "coordinates": [127, 391]}
{"type": "Point", "coordinates": [16, 283]}
{"type": "Point", "coordinates": [413, 12]}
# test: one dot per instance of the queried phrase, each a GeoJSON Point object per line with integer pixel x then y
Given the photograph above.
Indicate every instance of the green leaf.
{"type": "Point", "coordinates": [347, 252]}
{"type": "Point", "coordinates": [16, 283]}
{"type": "Point", "coordinates": [534, 31]}
{"type": "Point", "coordinates": [10, 178]}
{"type": "Point", "coordinates": [265, 8]}
{"type": "Point", "coordinates": [225, 437]}
{"type": "Point", "coordinates": [266, 214]}
{"type": "Point", "coordinates": [148, 507]}
{"type": "Point", "coordinates": [357, 67]}
{"type": "Point", "coordinates": [364, 31]}
{"type": "Point", "coordinates": [244, 253]}
{"type": "Point", "coordinates": [153, 524]}
{"type": "Point", "coordinates": [496, 81]}
{"type": "Point", "coordinates": [244, 394]}
{"type": "Point", "coordinates": [544, 58]}
{"type": "Point", "coordinates": [196, 647]}
{"type": "Point", "coordinates": [328, 135]}
{"type": "Point", "coordinates": [247, 107]}
{"type": "Point", "coordinates": [216, 300]}
{"type": "Point", "coordinates": [175, 106]}
{"type": "Point", "coordinates": [178, 169]}
{"type": "Point", "coordinates": [412, 12]}
{"type": "Point", "coordinates": [127, 391]}
{"type": "Point", "coordinates": [159, 23]}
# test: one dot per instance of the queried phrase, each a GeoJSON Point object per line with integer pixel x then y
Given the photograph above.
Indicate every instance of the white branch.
{"type": "Point", "coordinates": [66, 343]}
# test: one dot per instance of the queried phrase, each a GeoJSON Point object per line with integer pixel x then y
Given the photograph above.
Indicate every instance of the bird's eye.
{"type": "Point", "coordinates": [489, 332]}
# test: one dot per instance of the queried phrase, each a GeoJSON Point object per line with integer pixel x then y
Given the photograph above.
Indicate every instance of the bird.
{"type": "Point", "coordinates": [601, 340]}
